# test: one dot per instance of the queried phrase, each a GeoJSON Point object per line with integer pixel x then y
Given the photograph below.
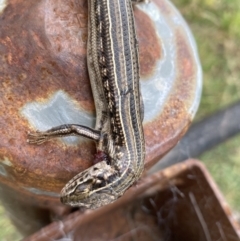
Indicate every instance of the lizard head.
{"type": "Point", "coordinates": [91, 188]}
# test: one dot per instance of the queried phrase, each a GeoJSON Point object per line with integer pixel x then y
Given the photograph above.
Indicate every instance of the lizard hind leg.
{"type": "Point", "coordinates": [40, 137]}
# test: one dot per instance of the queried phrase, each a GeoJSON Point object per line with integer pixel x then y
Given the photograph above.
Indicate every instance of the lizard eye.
{"type": "Point", "coordinates": [99, 182]}
{"type": "Point", "coordinates": [101, 177]}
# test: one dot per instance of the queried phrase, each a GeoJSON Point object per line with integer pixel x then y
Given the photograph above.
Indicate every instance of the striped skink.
{"type": "Point", "coordinates": [113, 67]}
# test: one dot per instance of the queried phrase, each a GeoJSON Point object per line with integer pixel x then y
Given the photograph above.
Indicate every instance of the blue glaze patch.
{"type": "Point", "coordinates": [41, 192]}
{"type": "Point", "coordinates": [3, 171]}
{"type": "Point", "coordinates": [59, 109]}
{"type": "Point", "coordinates": [3, 163]}
{"type": "Point", "coordinates": [156, 88]}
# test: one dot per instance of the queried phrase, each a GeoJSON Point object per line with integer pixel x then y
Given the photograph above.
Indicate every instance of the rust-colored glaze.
{"type": "Point", "coordinates": [37, 52]}
{"type": "Point", "coordinates": [32, 68]}
{"type": "Point", "coordinates": [181, 202]}
{"type": "Point", "coordinates": [149, 44]}
{"type": "Point", "coordinates": [40, 171]}
{"type": "Point", "coordinates": [35, 63]}
{"type": "Point", "coordinates": [175, 118]}
{"type": "Point", "coordinates": [44, 51]}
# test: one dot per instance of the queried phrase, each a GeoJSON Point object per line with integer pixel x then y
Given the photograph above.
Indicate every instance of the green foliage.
{"type": "Point", "coordinates": [7, 231]}
{"type": "Point", "coordinates": [224, 164]}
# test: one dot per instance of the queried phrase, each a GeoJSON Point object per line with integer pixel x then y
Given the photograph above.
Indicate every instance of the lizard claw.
{"type": "Point", "coordinates": [36, 138]}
